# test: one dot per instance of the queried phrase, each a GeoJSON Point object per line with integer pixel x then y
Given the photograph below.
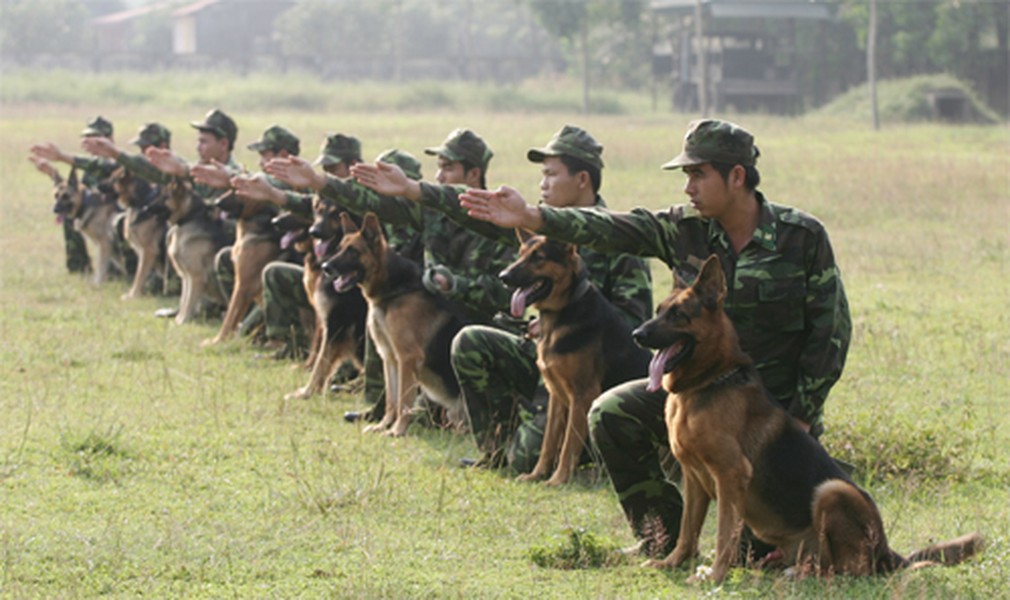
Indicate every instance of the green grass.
{"type": "Point", "coordinates": [133, 462]}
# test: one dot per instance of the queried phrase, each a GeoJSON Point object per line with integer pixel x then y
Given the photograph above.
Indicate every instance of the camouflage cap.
{"type": "Point", "coordinates": [712, 140]}
{"type": "Point", "coordinates": [570, 141]}
{"type": "Point", "coordinates": [463, 145]}
{"type": "Point", "coordinates": [338, 148]}
{"type": "Point", "coordinates": [219, 124]}
{"type": "Point", "coordinates": [98, 127]}
{"type": "Point", "coordinates": [152, 134]}
{"type": "Point", "coordinates": [405, 160]}
{"type": "Point", "coordinates": [275, 139]}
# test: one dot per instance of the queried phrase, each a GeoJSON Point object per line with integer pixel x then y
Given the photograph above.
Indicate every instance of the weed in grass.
{"type": "Point", "coordinates": [579, 549]}
{"type": "Point", "coordinates": [95, 456]}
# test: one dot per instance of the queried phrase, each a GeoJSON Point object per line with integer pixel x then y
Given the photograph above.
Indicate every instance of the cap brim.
{"type": "Point", "coordinates": [327, 160]}
{"type": "Point", "coordinates": [258, 146]}
{"type": "Point", "coordinates": [138, 142]}
{"type": "Point", "coordinates": [538, 155]}
{"type": "Point", "coordinates": [445, 152]}
{"type": "Point", "coordinates": [682, 160]}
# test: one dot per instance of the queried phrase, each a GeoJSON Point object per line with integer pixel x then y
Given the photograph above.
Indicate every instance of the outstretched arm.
{"type": "Point", "coordinates": [214, 175]}
{"type": "Point", "coordinates": [101, 147]}
{"type": "Point", "coordinates": [387, 180]}
{"type": "Point", "coordinates": [505, 207]}
{"type": "Point", "coordinates": [51, 152]}
{"type": "Point", "coordinates": [296, 172]}
{"type": "Point", "coordinates": [257, 187]}
{"type": "Point", "coordinates": [165, 161]}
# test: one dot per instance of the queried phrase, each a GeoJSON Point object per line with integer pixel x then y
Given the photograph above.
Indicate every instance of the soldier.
{"type": "Point", "coordinates": [786, 301]}
{"type": "Point", "coordinates": [459, 264]}
{"type": "Point", "coordinates": [94, 171]}
{"type": "Point", "coordinates": [505, 397]}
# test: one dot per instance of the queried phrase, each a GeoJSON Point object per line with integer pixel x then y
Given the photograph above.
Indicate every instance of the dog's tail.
{"type": "Point", "coordinates": [950, 552]}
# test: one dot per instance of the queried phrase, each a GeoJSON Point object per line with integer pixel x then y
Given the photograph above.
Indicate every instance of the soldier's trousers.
{"type": "Point", "coordinates": [76, 249]}
{"type": "Point", "coordinates": [499, 379]}
{"type": "Point", "coordinates": [627, 426]}
{"type": "Point", "coordinates": [286, 305]}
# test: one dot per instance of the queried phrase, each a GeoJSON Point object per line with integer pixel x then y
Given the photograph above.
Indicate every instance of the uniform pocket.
{"type": "Point", "coordinates": [780, 304]}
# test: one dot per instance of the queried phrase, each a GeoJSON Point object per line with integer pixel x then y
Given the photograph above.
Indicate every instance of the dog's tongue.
{"type": "Point", "coordinates": [519, 302]}
{"type": "Point", "coordinates": [340, 283]}
{"type": "Point", "coordinates": [656, 367]}
{"type": "Point", "coordinates": [321, 247]}
{"type": "Point", "coordinates": [59, 219]}
{"type": "Point", "coordinates": [287, 239]}
{"type": "Point", "coordinates": [223, 214]}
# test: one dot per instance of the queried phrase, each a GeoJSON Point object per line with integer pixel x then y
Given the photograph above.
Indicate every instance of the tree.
{"type": "Point", "coordinates": [573, 20]}
{"type": "Point", "coordinates": [29, 28]}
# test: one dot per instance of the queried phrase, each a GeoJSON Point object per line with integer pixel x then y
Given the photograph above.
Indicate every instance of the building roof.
{"type": "Point", "coordinates": [193, 8]}
{"type": "Point", "coordinates": [128, 15]}
{"type": "Point", "coordinates": [748, 9]}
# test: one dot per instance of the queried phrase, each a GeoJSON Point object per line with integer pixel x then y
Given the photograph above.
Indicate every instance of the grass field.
{"type": "Point", "coordinates": [133, 462]}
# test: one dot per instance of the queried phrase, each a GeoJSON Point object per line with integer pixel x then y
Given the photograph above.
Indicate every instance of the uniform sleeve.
{"type": "Point", "coordinates": [631, 288]}
{"type": "Point", "coordinates": [359, 200]}
{"type": "Point", "coordinates": [445, 199]}
{"type": "Point", "coordinates": [141, 167]}
{"type": "Point", "coordinates": [829, 331]}
{"type": "Point", "coordinates": [639, 232]}
{"type": "Point", "coordinates": [298, 202]}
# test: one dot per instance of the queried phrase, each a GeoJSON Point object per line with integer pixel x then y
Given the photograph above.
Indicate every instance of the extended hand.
{"type": "Point", "coordinates": [100, 146]}
{"type": "Point", "coordinates": [256, 187]}
{"type": "Point", "coordinates": [165, 161]}
{"type": "Point", "coordinates": [504, 207]}
{"type": "Point", "coordinates": [386, 179]}
{"type": "Point", "coordinates": [50, 151]}
{"type": "Point", "coordinates": [295, 172]}
{"type": "Point", "coordinates": [214, 175]}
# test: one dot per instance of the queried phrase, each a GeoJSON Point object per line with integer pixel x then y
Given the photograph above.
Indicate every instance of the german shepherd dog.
{"type": "Point", "coordinates": [411, 327]}
{"type": "Point", "coordinates": [583, 348]}
{"type": "Point", "coordinates": [193, 238]}
{"type": "Point", "coordinates": [143, 230]}
{"type": "Point", "coordinates": [93, 213]}
{"type": "Point", "coordinates": [737, 446]}
{"type": "Point", "coordinates": [257, 242]}
{"type": "Point", "coordinates": [340, 316]}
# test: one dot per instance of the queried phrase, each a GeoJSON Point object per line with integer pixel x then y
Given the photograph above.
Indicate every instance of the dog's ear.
{"type": "Point", "coordinates": [347, 224]}
{"type": "Point", "coordinates": [371, 230]}
{"type": "Point", "coordinates": [72, 179]}
{"type": "Point", "coordinates": [711, 283]}
{"type": "Point", "coordinates": [523, 235]}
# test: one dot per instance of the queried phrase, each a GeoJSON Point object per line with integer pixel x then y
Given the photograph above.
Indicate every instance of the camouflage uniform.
{"type": "Point", "coordinates": [469, 261]}
{"type": "Point", "coordinates": [274, 139]}
{"type": "Point", "coordinates": [505, 396]}
{"type": "Point", "coordinates": [284, 296]}
{"type": "Point", "coordinates": [93, 172]}
{"type": "Point", "coordinates": [785, 298]}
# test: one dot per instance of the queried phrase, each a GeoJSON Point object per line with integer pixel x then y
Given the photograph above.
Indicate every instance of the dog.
{"type": "Point", "coordinates": [93, 213]}
{"type": "Point", "coordinates": [144, 230]}
{"type": "Point", "coordinates": [583, 348]}
{"type": "Point", "coordinates": [737, 446]}
{"type": "Point", "coordinates": [340, 316]}
{"type": "Point", "coordinates": [193, 238]}
{"type": "Point", "coordinates": [411, 327]}
{"type": "Point", "coordinates": [257, 242]}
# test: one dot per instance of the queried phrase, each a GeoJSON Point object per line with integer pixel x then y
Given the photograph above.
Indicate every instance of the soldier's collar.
{"type": "Point", "coordinates": [765, 234]}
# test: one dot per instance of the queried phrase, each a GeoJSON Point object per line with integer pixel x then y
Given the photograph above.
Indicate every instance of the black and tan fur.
{"type": "Point", "coordinates": [93, 214]}
{"type": "Point", "coordinates": [411, 327]}
{"type": "Point", "coordinates": [583, 348]}
{"type": "Point", "coordinates": [143, 230]}
{"type": "Point", "coordinates": [738, 447]}
{"type": "Point", "coordinates": [192, 240]}
{"type": "Point", "coordinates": [257, 242]}
{"type": "Point", "coordinates": [339, 332]}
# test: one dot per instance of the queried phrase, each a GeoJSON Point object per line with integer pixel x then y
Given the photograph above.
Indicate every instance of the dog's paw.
{"type": "Point", "coordinates": [303, 393]}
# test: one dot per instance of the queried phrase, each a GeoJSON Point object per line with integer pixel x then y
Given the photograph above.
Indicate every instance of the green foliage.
{"type": "Point", "coordinates": [32, 27]}
{"type": "Point", "coordinates": [577, 549]}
